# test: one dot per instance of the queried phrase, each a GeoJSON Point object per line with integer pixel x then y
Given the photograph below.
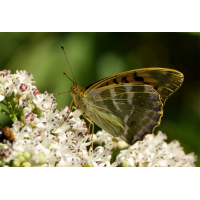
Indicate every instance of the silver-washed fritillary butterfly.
{"type": "Point", "coordinates": [128, 105]}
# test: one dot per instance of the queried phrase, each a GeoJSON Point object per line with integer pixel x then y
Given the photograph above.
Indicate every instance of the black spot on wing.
{"type": "Point", "coordinates": [115, 81]}
{"type": "Point", "coordinates": [137, 78]}
{"type": "Point", "coordinates": [124, 80]}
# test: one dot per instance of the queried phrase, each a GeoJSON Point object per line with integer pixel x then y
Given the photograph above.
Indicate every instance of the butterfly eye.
{"type": "Point", "coordinates": [75, 91]}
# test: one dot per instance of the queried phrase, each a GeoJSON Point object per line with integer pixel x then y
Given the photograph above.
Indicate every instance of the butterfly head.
{"type": "Point", "coordinates": [76, 90]}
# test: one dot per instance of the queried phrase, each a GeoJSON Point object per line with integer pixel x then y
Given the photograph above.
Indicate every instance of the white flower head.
{"type": "Point", "coordinates": [44, 136]}
{"type": "Point", "coordinates": [153, 151]}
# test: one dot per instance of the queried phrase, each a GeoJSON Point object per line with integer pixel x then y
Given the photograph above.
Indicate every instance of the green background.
{"type": "Point", "coordinates": [93, 56]}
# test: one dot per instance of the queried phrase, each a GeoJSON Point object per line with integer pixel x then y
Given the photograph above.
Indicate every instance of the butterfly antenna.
{"type": "Point", "coordinates": [62, 47]}
{"type": "Point", "coordinates": [69, 78]}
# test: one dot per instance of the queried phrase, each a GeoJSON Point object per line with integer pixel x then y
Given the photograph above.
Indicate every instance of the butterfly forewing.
{"type": "Point", "coordinates": [128, 111]}
{"type": "Point", "coordinates": [164, 81]}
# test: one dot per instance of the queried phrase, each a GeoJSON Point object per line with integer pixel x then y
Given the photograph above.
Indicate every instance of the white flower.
{"type": "Point", "coordinates": [101, 137]}
{"type": "Point", "coordinates": [42, 101]}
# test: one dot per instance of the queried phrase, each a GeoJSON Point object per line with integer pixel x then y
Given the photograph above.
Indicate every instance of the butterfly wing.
{"type": "Point", "coordinates": [129, 111]}
{"type": "Point", "coordinates": [164, 81]}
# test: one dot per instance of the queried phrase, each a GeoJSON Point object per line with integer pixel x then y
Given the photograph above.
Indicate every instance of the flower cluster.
{"type": "Point", "coordinates": [39, 140]}
{"type": "Point", "coordinates": [153, 151]}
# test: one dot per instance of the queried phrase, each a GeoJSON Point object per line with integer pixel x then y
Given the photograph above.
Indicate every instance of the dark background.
{"type": "Point", "coordinates": [93, 56]}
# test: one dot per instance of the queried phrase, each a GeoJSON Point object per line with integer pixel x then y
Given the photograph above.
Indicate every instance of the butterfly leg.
{"type": "Point", "coordinates": [91, 123]}
{"type": "Point", "coordinates": [89, 128]}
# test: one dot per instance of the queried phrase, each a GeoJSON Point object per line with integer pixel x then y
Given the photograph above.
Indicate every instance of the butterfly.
{"type": "Point", "coordinates": [128, 105]}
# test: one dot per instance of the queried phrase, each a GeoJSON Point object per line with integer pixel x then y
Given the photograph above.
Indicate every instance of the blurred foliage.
{"type": "Point", "coordinates": [93, 56]}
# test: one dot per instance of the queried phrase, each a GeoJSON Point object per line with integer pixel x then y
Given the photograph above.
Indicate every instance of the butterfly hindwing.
{"type": "Point", "coordinates": [128, 111]}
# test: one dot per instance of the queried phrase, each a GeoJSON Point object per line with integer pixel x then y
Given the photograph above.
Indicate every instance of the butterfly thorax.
{"type": "Point", "coordinates": [77, 93]}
